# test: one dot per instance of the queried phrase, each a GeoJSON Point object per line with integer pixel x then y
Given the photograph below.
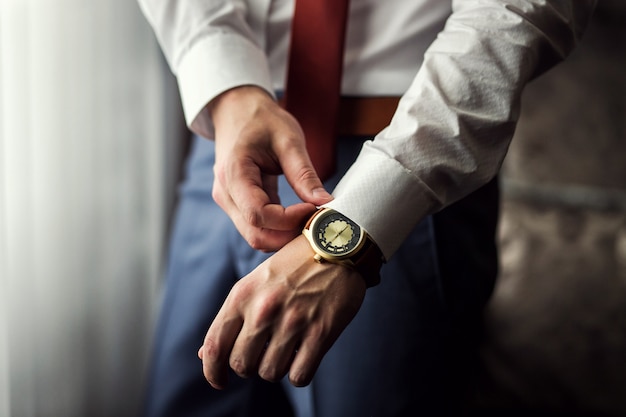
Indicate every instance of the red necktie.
{"type": "Point", "coordinates": [313, 87]}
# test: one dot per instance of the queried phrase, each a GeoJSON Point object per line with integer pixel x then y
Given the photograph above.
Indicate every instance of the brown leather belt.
{"type": "Point", "coordinates": [364, 116]}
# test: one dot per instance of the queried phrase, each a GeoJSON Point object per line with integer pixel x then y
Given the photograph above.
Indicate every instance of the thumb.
{"type": "Point", "coordinates": [301, 175]}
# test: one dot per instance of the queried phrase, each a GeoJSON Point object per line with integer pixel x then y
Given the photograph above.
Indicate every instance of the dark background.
{"type": "Point", "coordinates": [556, 327]}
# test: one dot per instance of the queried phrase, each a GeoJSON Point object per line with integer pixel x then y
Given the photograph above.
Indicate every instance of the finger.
{"type": "Point", "coordinates": [277, 217]}
{"type": "Point", "coordinates": [281, 350]}
{"type": "Point", "coordinates": [307, 360]}
{"type": "Point", "coordinates": [248, 349]}
{"type": "Point", "coordinates": [277, 359]}
{"type": "Point", "coordinates": [303, 178]}
{"type": "Point", "coordinates": [258, 206]}
{"type": "Point", "coordinates": [259, 238]}
{"type": "Point", "coordinates": [218, 344]}
{"type": "Point", "coordinates": [243, 183]}
{"type": "Point", "coordinates": [263, 238]}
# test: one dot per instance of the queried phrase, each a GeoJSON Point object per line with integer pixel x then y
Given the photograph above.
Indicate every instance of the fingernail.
{"type": "Point", "coordinates": [321, 193]}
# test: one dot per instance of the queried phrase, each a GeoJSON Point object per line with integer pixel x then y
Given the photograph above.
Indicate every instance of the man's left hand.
{"type": "Point", "coordinates": [282, 318]}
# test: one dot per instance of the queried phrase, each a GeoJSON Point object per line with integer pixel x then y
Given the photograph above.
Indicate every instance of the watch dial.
{"type": "Point", "coordinates": [336, 234]}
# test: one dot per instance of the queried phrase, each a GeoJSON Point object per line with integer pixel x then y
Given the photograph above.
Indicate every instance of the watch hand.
{"type": "Point", "coordinates": [339, 233]}
{"type": "Point", "coordinates": [332, 229]}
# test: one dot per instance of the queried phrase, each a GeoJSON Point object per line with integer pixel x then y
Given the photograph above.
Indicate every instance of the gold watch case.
{"type": "Point", "coordinates": [337, 239]}
{"type": "Point", "coordinates": [333, 236]}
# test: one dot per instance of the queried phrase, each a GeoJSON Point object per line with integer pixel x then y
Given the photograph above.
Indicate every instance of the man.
{"type": "Point", "coordinates": [422, 195]}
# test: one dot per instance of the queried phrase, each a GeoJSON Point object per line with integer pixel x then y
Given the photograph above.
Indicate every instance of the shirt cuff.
{"type": "Point", "coordinates": [384, 198]}
{"type": "Point", "coordinates": [216, 64]}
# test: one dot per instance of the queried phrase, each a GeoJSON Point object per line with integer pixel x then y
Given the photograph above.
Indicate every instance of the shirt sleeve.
{"type": "Point", "coordinates": [200, 37]}
{"type": "Point", "coordinates": [453, 126]}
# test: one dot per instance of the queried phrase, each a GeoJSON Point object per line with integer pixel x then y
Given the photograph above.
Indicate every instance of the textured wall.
{"type": "Point", "coordinates": [556, 327]}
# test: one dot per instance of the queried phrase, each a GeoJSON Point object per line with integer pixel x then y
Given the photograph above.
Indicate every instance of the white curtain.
{"type": "Point", "coordinates": [89, 135]}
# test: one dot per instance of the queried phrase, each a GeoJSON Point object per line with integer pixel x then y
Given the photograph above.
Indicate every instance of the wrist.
{"type": "Point", "coordinates": [233, 98]}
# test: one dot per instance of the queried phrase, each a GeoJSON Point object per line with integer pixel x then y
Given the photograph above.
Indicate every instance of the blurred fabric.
{"type": "Point", "coordinates": [88, 125]}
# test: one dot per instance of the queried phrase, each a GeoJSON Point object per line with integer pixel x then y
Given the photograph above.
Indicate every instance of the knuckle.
{"type": "Point", "coordinates": [255, 241]}
{"type": "Point", "coordinates": [293, 321]}
{"type": "Point", "coordinates": [217, 194]}
{"type": "Point", "coordinates": [292, 138]}
{"type": "Point", "coordinates": [219, 175]}
{"type": "Point", "coordinates": [252, 217]}
{"type": "Point", "coordinates": [266, 310]}
{"type": "Point", "coordinates": [318, 331]}
{"type": "Point", "coordinates": [271, 374]}
{"type": "Point", "coordinates": [239, 366]}
{"type": "Point", "coordinates": [299, 378]}
{"type": "Point", "coordinates": [212, 350]}
{"type": "Point", "coordinates": [239, 293]}
{"type": "Point", "coordinates": [253, 236]}
{"type": "Point", "coordinates": [306, 174]}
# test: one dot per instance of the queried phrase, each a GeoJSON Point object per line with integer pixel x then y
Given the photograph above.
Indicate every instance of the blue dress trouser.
{"type": "Point", "coordinates": [408, 352]}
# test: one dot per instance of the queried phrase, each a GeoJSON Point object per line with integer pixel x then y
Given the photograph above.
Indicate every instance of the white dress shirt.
{"type": "Point", "coordinates": [459, 65]}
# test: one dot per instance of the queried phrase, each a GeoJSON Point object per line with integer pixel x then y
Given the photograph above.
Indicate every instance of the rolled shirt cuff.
{"type": "Point", "coordinates": [244, 64]}
{"type": "Point", "coordinates": [384, 198]}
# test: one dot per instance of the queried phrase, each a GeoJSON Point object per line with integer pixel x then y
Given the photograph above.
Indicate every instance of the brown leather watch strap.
{"type": "Point", "coordinates": [368, 262]}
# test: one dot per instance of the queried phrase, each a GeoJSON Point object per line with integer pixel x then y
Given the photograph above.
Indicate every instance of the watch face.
{"type": "Point", "coordinates": [335, 234]}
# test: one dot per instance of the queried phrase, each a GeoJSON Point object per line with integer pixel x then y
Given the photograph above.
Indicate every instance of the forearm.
{"type": "Point", "coordinates": [453, 126]}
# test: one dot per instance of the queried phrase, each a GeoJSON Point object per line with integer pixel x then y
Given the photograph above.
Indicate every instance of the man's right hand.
{"type": "Point", "coordinates": [256, 140]}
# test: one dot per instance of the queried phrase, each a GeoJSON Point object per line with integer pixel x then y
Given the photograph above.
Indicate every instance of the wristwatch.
{"type": "Point", "coordinates": [337, 239]}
